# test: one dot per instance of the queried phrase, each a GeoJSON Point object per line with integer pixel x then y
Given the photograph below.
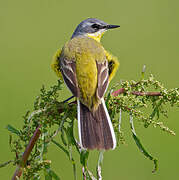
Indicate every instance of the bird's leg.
{"type": "Point", "coordinates": [68, 99]}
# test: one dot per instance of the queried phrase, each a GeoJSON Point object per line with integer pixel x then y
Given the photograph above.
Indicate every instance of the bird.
{"type": "Point", "coordinates": [87, 68]}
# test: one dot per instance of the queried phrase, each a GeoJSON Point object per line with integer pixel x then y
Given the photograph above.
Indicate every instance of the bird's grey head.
{"type": "Point", "coordinates": [92, 26]}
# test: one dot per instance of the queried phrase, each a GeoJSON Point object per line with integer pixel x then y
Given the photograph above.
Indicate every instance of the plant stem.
{"type": "Point", "coordinates": [137, 93]}
{"type": "Point", "coordinates": [26, 153]}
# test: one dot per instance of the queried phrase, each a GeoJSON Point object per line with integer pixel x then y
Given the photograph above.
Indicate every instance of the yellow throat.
{"type": "Point", "coordinates": [96, 36]}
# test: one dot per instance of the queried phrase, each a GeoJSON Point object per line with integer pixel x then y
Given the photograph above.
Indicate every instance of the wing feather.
{"type": "Point", "coordinates": [68, 69]}
{"type": "Point", "coordinates": [103, 78]}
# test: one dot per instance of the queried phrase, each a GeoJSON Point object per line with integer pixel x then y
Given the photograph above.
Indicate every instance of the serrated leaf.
{"type": "Point", "coordinates": [12, 129]}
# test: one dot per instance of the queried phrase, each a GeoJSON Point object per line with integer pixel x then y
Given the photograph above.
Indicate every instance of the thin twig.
{"type": "Point", "coordinates": [137, 93]}
{"type": "Point", "coordinates": [146, 93]}
{"type": "Point", "coordinates": [119, 91]}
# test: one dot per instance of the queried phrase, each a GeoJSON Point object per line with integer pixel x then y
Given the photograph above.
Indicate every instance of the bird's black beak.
{"type": "Point", "coordinates": [112, 26]}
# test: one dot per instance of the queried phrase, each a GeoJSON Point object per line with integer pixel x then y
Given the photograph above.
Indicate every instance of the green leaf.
{"type": "Point", "coordinates": [156, 110]}
{"type": "Point", "coordinates": [72, 161]}
{"type": "Point", "coordinates": [84, 157]}
{"type": "Point", "coordinates": [50, 174]}
{"type": "Point", "coordinates": [54, 175]}
{"type": "Point", "coordinates": [47, 174]}
{"type": "Point", "coordinates": [6, 163]}
{"type": "Point", "coordinates": [141, 147]}
{"type": "Point", "coordinates": [108, 98]}
{"type": "Point", "coordinates": [48, 177]}
{"type": "Point", "coordinates": [10, 140]}
{"type": "Point", "coordinates": [12, 129]}
{"type": "Point", "coordinates": [63, 137]}
{"type": "Point", "coordinates": [68, 153]}
{"type": "Point", "coordinates": [69, 134]}
{"type": "Point", "coordinates": [61, 147]}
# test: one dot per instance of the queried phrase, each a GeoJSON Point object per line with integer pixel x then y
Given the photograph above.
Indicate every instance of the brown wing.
{"type": "Point", "coordinates": [68, 69]}
{"type": "Point", "coordinates": [103, 78]}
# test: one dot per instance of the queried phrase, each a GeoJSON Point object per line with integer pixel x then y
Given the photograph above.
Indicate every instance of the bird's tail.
{"type": "Point", "coordinates": [95, 128]}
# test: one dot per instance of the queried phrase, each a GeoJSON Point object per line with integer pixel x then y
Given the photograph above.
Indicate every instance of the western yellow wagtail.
{"type": "Point", "coordinates": [87, 68]}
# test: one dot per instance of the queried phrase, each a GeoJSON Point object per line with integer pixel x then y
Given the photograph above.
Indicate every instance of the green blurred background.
{"type": "Point", "coordinates": [30, 33]}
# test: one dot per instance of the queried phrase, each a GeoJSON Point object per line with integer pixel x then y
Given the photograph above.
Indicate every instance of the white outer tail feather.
{"type": "Point", "coordinates": [79, 123]}
{"type": "Point", "coordinates": [110, 124]}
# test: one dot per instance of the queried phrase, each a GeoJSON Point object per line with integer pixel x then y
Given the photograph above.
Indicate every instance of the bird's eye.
{"type": "Point", "coordinates": [95, 26]}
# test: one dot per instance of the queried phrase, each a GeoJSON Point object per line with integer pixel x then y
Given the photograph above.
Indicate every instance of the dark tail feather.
{"type": "Point", "coordinates": [95, 129]}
